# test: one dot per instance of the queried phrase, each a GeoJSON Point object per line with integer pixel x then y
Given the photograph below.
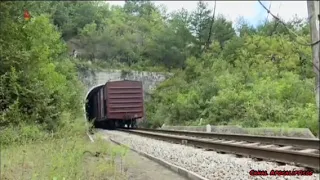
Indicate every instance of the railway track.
{"type": "Point", "coordinates": [303, 152]}
{"type": "Point", "coordinates": [301, 143]}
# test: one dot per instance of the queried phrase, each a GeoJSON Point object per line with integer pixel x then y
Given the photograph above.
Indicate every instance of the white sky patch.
{"type": "Point", "coordinates": [287, 9]}
{"type": "Point", "coordinates": [250, 10]}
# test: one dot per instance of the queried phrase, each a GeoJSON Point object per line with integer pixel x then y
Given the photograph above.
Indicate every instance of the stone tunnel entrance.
{"type": "Point", "coordinates": [95, 80]}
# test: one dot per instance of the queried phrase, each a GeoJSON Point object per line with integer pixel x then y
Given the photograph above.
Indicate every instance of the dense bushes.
{"type": "Point", "coordinates": [250, 90]}
{"type": "Point", "coordinates": [38, 82]}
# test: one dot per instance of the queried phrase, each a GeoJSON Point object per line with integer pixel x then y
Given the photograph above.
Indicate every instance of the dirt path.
{"type": "Point", "coordinates": [141, 168]}
{"type": "Point", "coordinates": [137, 167]}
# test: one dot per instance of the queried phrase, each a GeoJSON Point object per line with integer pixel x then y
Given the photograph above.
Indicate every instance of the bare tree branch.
{"type": "Point", "coordinates": [212, 21]}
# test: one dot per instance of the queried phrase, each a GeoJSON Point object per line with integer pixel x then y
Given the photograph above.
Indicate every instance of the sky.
{"type": "Point", "coordinates": [252, 11]}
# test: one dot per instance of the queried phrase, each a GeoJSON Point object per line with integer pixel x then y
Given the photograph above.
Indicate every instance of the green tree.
{"type": "Point", "coordinates": [222, 30]}
{"type": "Point", "coordinates": [244, 28]}
{"type": "Point", "coordinates": [35, 80]}
{"type": "Point", "coordinates": [200, 23]}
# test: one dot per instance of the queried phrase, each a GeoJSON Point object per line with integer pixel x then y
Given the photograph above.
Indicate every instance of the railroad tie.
{"type": "Point", "coordinates": [252, 144]}
{"type": "Point", "coordinates": [218, 141]}
{"type": "Point", "coordinates": [239, 142]}
{"type": "Point", "coordinates": [309, 151]}
{"type": "Point", "coordinates": [285, 148]}
{"type": "Point", "coordinates": [268, 146]}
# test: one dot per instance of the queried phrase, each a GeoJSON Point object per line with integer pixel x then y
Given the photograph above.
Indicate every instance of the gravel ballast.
{"type": "Point", "coordinates": [208, 164]}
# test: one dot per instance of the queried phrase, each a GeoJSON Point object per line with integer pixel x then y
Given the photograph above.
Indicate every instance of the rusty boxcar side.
{"type": "Point", "coordinates": [116, 104]}
{"type": "Point", "coordinates": [124, 100]}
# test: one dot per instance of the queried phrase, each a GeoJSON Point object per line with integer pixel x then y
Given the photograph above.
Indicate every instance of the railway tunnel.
{"type": "Point", "coordinates": [94, 81]}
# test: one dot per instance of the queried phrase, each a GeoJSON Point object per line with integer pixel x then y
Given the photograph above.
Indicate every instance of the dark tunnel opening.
{"type": "Point", "coordinates": [91, 105]}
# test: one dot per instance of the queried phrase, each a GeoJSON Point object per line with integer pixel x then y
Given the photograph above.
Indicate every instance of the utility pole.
{"type": "Point", "coordinates": [314, 18]}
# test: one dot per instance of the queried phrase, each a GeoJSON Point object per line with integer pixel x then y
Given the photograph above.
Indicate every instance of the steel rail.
{"type": "Point", "coordinates": [309, 160]}
{"type": "Point", "coordinates": [283, 141]}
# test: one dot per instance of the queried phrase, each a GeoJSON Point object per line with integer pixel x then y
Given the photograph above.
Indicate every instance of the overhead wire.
{"type": "Point", "coordinates": [288, 29]}
{"type": "Point", "coordinates": [268, 13]}
{"type": "Point", "coordinates": [276, 23]}
{"type": "Point", "coordinates": [271, 33]}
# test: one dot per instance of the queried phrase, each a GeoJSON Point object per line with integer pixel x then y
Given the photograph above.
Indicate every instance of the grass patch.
{"type": "Point", "coordinates": [62, 158]}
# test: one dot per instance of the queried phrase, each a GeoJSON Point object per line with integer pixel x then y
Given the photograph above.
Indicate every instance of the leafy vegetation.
{"type": "Point", "coordinates": [36, 76]}
{"type": "Point", "coordinates": [41, 100]}
{"type": "Point", "coordinates": [225, 73]}
{"type": "Point", "coordinates": [67, 157]}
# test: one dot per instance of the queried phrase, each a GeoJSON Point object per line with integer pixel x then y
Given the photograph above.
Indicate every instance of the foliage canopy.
{"type": "Point", "coordinates": [244, 75]}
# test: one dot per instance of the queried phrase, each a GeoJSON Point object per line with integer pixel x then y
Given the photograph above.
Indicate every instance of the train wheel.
{"type": "Point", "coordinates": [95, 124]}
{"type": "Point", "coordinates": [111, 124]}
{"type": "Point", "coordinates": [117, 124]}
{"type": "Point", "coordinates": [128, 124]}
{"type": "Point", "coordinates": [133, 124]}
{"type": "Point", "coordinates": [102, 124]}
{"type": "Point", "coordinates": [121, 124]}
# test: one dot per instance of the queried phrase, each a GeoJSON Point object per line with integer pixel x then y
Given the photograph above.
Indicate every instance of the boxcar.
{"type": "Point", "coordinates": [117, 104]}
{"type": "Point", "coordinates": [124, 102]}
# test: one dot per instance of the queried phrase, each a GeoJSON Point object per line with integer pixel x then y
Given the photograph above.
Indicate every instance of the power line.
{"type": "Point", "coordinates": [268, 13]}
{"type": "Point", "coordinates": [285, 25]}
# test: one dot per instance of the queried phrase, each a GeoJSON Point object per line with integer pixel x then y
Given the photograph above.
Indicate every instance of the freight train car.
{"type": "Point", "coordinates": [116, 104]}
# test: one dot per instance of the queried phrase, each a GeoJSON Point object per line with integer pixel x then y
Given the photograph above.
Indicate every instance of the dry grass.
{"type": "Point", "coordinates": [72, 158]}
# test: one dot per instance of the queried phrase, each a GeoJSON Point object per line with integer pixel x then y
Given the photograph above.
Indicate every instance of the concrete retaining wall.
{"type": "Point", "coordinates": [288, 132]}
